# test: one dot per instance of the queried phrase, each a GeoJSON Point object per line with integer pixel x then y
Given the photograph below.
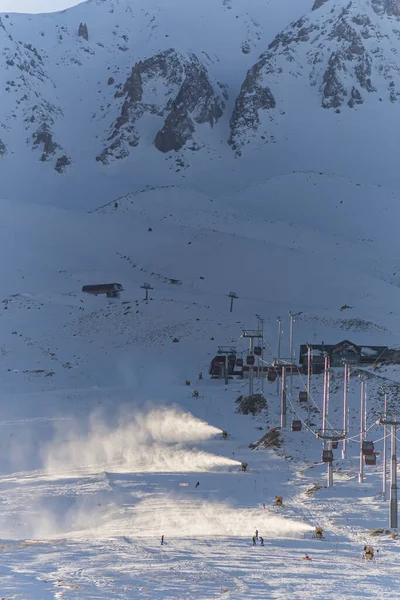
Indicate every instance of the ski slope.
{"type": "Point", "coordinates": [99, 429]}
{"type": "Point", "coordinates": [103, 443]}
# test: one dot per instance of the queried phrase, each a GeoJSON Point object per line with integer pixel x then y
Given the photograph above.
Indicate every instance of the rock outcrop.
{"type": "Point", "coordinates": [44, 138]}
{"type": "Point", "coordinates": [178, 129]}
{"type": "Point", "coordinates": [342, 53]}
{"type": "Point", "coordinates": [389, 7]}
{"type": "Point", "coordinates": [255, 96]}
{"type": "Point", "coordinates": [175, 89]}
{"type": "Point", "coordinates": [83, 31]}
{"type": "Point", "coordinates": [62, 163]}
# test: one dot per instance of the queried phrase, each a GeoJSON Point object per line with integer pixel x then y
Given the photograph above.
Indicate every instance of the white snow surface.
{"type": "Point", "coordinates": [99, 430]}
{"type": "Point", "coordinates": [102, 441]}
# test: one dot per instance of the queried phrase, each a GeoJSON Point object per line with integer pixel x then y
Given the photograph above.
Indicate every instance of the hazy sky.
{"type": "Point", "coordinates": [35, 6]}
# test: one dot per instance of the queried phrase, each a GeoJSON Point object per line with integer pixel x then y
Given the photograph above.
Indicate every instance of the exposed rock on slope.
{"type": "Point", "coordinates": [177, 130]}
{"type": "Point", "coordinates": [173, 88]}
{"type": "Point", "coordinates": [255, 96]}
{"type": "Point", "coordinates": [29, 95]}
{"type": "Point", "coordinates": [83, 31]}
{"type": "Point", "coordinates": [344, 52]}
{"type": "Point", "coordinates": [389, 7]}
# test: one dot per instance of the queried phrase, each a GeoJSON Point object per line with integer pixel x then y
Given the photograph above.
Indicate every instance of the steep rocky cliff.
{"type": "Point", "coordinates": [103, 84]}
{"type": "Point", "coordinates": [341, 50]}
{"type": "Point", "coordinates": [173, 89]}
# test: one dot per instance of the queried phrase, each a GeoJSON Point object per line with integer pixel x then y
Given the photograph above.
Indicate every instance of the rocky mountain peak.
{"type": "Point", "coordinates": [176, 91]}
{"type": "Point", "coordinates": [342, 53]}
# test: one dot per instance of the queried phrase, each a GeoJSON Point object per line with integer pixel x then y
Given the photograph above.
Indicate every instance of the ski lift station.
{"type": "Point", "coordinates": [111, 290]}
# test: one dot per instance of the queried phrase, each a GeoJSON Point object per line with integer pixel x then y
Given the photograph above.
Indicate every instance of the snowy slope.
{"type": "Point", "coordinates": [92, 462]}
{"type": "Point", "coordinates": [68, 100]}
{"type": "Point", "coordinates": [63, 94]}
{"type": "Point", "coordinates": [99, 430]}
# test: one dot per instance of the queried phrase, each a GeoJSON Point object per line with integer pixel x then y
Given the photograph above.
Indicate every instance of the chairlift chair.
{"type": "Point", "coordinates": [250, 360]}
{"type": "Point", "coordinates": [335, 444]}
{"type": "Point", "coordinates": [239, 362]}
{"type": "Point", "coordinates": [370, 459]}
{"type": "Point", "coordinates": [303, 396]}
{"type": "Point", "coordinates": [257, 350]}
{"type": "Point", "coordinates": [367, 448]}
{"type": "Point", "coordinates": [271, 376]}
{"type": "Point", "coordinates": [296, 425]}
{"type": "Point", "coordinates": [327, 456]}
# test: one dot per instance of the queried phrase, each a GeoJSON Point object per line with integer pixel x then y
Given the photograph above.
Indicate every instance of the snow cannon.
{"type": "Point", "coordinates": [243, 466]}
{"type": "Point", "coordinates": [278, 501]}
{"type": "Point", "coordinates": [368, 552]}
{"type": "Point", "coordinates": [224, 434]}
{"type": "Point", "coordinates": [319, 533]}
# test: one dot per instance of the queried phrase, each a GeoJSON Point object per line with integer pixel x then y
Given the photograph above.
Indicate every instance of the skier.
{"type": "Point", "coordinates": [368, 552]}
{"type": "Point", "coordinates": [256, 535]}
{"type": "Point", "coordinates": [254, 540]}
{"type": "Point", "coordinates": [197, 484]}
{"type": "Point", "coordinates": [306, 557]}
{"type": "Point", "coordinates": [264, 506]}
{"type": "Point", "coordinates": [162, 540]}
{"type": "Point", "coordinates": [261, 540]}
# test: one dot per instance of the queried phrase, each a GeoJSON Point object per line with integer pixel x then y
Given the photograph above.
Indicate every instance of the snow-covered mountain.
{"type": "Point", "coordinates": [107, 95]}
{"type": "Point", "coordinates": [340, 56]}
{"type": "Point", "coordinates": [106, 79]}
{"type": "Point", "coordinates": [233, 147]}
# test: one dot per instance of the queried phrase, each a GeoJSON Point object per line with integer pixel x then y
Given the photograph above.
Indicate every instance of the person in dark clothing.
{"type": "Point", "coordinates": [256, 534]}
{"type": "Point", "coordinates": [197, 484]}
{"type": "Point", "coordinates": [261, 541]}
{"type": "Point", "coordinates": [162, 540]}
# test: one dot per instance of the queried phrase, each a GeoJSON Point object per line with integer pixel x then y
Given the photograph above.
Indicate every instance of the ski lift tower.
{"type": "Point", "coordinates": [227, 351]}
{"type": "Point", "coordinates": [328, 436]}
{"type": "Point", "coordinates": [252, 334]}
{"type": "Point", "coordinates": [393, 505]}
{"type": "Point", "coordinates": [147, 287]}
